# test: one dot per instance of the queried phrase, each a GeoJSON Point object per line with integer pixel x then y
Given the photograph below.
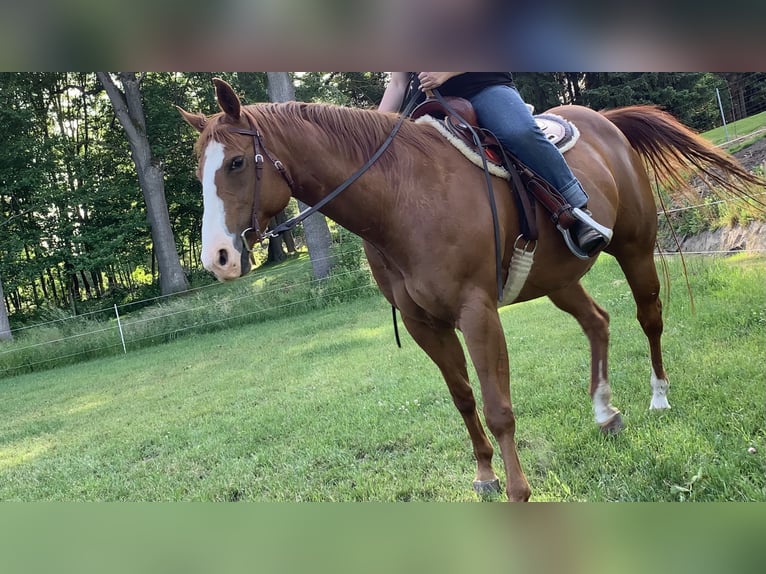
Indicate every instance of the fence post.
{"type": "Point", "coordinates": [723, 116]}
{"type": "Point", "coordinates": [119, 326]}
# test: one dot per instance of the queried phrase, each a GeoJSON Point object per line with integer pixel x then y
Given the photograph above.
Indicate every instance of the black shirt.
{"type": "Point", "coordinates": [465, 85]}
{"type": "Point", "coordinates": [469, 84]}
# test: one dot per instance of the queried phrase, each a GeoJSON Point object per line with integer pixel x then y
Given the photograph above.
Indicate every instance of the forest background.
{"type": "Point", "coordinates": [75, 230]}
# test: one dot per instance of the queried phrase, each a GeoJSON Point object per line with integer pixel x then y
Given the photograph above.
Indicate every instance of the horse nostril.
{"type": "Point", "coordinates": [223, 257]}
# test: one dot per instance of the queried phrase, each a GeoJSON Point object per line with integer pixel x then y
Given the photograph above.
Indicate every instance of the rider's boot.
{"type": "Point", "coordinates": [586, 236]}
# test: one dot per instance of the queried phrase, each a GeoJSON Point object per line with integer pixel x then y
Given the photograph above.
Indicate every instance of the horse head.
{"type": "Point", "coordinates": [241, 192]}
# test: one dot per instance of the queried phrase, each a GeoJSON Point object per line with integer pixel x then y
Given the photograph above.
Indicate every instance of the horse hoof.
{"type": "Point", "coordinates": [659, 404]}
{"type": "Point", "coordinates": [613, 425]}
{"type": "Point", "coordinates": [487, 487]}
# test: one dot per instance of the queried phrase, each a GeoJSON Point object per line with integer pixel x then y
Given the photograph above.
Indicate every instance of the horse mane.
{"type": "Point", "coordinates": [355, 133]}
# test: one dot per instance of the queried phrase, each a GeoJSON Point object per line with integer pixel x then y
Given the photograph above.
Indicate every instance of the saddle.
{"type": "Point", "coordinates": [459, 120]}
{"type": "Point", "coordinates": [458, 117]}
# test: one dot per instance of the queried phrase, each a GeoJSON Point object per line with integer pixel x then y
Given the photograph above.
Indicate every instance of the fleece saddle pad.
{"type": "Point", "coordinates": [560, 132]}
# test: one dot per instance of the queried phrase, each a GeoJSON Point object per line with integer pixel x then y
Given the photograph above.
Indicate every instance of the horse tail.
{"type": "Point", "coordinates": [672, 150]}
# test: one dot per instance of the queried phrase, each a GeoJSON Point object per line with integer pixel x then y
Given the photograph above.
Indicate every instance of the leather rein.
{"type": "Point", "coordinates": [260, 151]}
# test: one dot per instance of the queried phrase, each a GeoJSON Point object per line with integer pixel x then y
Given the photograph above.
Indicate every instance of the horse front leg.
{"type": "Point", "coordinates": [486, 344]}
{"type": "Point", "coordinates": [443, 347]}
{"type": "Point", "coordinates": [440, 343]}
{"type": "Point", "coordinates": [594, 322]}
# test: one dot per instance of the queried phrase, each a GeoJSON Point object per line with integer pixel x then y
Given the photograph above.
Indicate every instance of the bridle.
{"type": "Point", "coordinates": [259, 151]}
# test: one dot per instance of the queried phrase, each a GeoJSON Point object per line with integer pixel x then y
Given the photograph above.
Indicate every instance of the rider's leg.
{"type": "Point", "coordinates": [501, 110]}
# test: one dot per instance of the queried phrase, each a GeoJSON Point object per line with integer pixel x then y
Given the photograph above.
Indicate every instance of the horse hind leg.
{"type": "Point", "coordinates": [442, 345]}
{"type": "Point", "coordinates": [641, 274]}
{"type": "Point", "coordinates": [594, 322]}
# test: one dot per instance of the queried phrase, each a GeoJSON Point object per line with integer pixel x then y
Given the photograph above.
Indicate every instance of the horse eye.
{"type": "Point", "coordinates": [237, 163]}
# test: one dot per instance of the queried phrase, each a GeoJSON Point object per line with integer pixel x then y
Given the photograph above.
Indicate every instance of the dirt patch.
{"type": "Point", "coordinates": [751, 237]}
{"type": "Point", "coordinates": [726, 239]}
{"type": "Point", "coordinates": [753, 155]}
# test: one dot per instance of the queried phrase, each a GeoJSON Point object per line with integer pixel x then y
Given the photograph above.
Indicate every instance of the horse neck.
{"type": "Point", "coordinates": [319, 163]}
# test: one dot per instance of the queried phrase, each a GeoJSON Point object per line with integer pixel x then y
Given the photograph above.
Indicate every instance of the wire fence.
{"type": "Point", "coordinates": [137, 324]}
{"type": "Point", "coordinates": [119, 330]}
{"type": "Point", "coordinates": [706, 204]}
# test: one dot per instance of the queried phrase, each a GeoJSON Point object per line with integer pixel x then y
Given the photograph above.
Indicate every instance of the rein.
{"type": "Point", "coordinates": [293, 221]}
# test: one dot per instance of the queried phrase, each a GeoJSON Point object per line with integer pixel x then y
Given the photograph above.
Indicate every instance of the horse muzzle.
{"type": "Point", "coordinates": [226, 262]}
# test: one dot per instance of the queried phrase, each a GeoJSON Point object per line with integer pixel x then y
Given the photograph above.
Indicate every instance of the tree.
{"type": "Point", "coordinates": [357, 89]}
{"type": "Point", "coordinates": [128, 108]}
{"type": "Point", "coordinates": [26, 185]}
{"type": "Point", "coordinates": [690, 96]}
{"type": "Point", "coordinates": [172, 144]}
{"type": "Point", "coordinates": [317, 232]}
{"type": "Point", "coordinates": [542, 90]}
{"type": "Point", "coordinates": [5, 326]}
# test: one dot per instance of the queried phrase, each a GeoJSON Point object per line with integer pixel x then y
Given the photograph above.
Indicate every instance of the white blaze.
{"type": "Point", "coordinates": [215, 235]}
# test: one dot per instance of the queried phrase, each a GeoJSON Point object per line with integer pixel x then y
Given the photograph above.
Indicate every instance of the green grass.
{"type": "Point", "coordinates": [323, 406]}
{"type": "Point", "coordinates": [274, 291]}
{"type": "Point", "coordinates": [737, 129]}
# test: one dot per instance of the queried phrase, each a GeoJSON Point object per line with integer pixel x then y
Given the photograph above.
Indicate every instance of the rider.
{"type": "Point", "coordinates": [500, 109]}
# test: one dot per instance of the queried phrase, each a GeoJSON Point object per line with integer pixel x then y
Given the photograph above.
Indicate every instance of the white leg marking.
{"type": "Point", "coordinates": [659, 393]}
{"type": "Point", "coordinates": [215, 235]}
{"type": "Point", "coordinates": [602, 407]}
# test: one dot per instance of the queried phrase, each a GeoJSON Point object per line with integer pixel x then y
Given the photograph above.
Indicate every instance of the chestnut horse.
{"type": "Point", "coordinates": [424, 215]}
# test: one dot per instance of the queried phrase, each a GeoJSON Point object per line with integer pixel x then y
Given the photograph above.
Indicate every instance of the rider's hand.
{"type": "Point", "coordinates": [432, 80]}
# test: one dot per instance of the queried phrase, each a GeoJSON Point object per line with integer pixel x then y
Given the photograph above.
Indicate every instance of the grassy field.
{"type": "Point", "coordinates": [273, 291]}
{"type": "Point", "coordinates": [325, 407]}
{"type": "Point", "coordinates": [738, 129]}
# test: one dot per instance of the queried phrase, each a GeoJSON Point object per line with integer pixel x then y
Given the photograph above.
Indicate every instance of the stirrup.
{"type": "Point", "coordinates": [585, 217]}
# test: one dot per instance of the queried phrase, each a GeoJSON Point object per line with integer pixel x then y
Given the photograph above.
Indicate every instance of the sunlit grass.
{"type": "Point", "coordinates": [736, 129]}
{"type": "Point", "coordinates": [324, 406]}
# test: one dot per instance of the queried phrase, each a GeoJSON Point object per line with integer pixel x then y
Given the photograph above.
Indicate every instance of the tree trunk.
{"type": "Point", "coordinates": [276, 253]}
{"type": "Point", "coordinates": [130, 112]}
{"type": "Point", "coordinates": [44, 289]}
{"type": "Point", "coordinates": [98, 282]}
{"type": "Point", "coordinates": [288, 238]}
{"type": "Point", "coordinates": [86, 285]}
{"type": "Point", "coordinates": [319, 242]}
{"type": "Point", "coordinates": [739, 106]}
{"type": "Point", "coordinates": [52, 283]}
{"type": "Point", "coordinates": [33, 283]}
{"type": "Point", "coordinates": [318, 239]}
{"type": "Point", "coordinates": [5, 326]}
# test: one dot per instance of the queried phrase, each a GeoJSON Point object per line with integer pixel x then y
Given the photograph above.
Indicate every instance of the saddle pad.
{"type": "Point", "coordinates": [474, 157]}
{"type": "Point", "coordinates": [560, 132]}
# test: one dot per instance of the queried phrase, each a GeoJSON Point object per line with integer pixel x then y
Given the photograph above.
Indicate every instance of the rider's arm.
{"type": "Point", "coordinates": [394, 94]}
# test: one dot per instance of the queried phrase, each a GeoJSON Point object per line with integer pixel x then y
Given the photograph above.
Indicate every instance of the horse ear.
{"type": "Point", "coordinates": [197, 121]}
{"type": "Point", "coordinates": [227, 99]}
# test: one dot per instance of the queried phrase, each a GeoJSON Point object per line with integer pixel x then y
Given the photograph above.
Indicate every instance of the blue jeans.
{"type": "Point", "coordinates": [501, 110]}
